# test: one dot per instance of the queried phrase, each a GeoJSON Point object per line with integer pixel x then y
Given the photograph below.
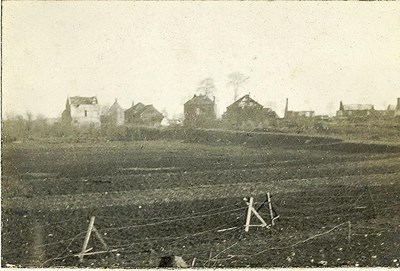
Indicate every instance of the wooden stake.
{"type": "Point", "coordinates": [228, 229]}
{"type": "Point", "coordinates": [250, 203]}
{"type": "Point", "coordinates": [86, 242]}
{"type": "Point", "coordinates": [349, 232]}
{"type": "Point", "coordinates": [100, 238]}
{"type": "Point", "coordinates": [97, 252]}
{"type": "Point", "coordinates": [259, 217]}
{"type": "Point", "coordinates": [254, 211]}
{"type": "Point", "coordinates": [209, 258]}
{"type": "Point", "coordinates": [271, 213]}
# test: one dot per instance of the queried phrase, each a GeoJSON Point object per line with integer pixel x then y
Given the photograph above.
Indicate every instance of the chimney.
{"type": "Point", "coordinates": [116, 100]}
{"type": "Point", "coordinates": [341, 108]}
{"type": "Point", "coordinates": [286, 107]}
{"type": "Point", "coordinates": [133, 103]}
{"type": "Point", "coordinates": [398, 103]}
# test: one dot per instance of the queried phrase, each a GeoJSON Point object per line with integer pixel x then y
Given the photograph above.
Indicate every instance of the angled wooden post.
{"type": "Point", "coordinates": [86, 242]}
{"type": "Point", "coordinates": [100, 238]}
{"type": "Point", "coordinates": [271, 213]}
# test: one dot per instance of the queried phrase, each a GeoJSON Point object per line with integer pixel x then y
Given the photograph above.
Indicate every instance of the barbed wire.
{"type": "Point", "coordinates": [321, 212]}
{"type": "Point", "coordinates": [171, 220]}
{"type": "Point", "coordinates": [9, 231]}
{"type": "Point", "coordinates": [162, 218]}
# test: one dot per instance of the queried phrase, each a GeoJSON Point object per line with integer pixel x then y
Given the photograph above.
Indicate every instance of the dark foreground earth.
{"type": "Point", "coordinates": [337, 207]}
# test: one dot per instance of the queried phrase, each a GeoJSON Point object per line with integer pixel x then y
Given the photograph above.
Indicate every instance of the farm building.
{"type": "Point", "coordinates": [143, 115]}
{"type": "Point", "coordinates": [115, 115]}
{"type": "Point", "coordinates": [355, 110]}
{"type": "Point", "coordinates": [247, 112]}
{"type": "Point", "coordinates": [82, 111]}
{"type": "Point", "coordinates": [199, 111]}
{"type": "Point", "coordinates": [297, 114]}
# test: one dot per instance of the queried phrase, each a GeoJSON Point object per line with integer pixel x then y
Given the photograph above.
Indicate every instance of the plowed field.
{"type": "Point", "coordinates": [155, 198]}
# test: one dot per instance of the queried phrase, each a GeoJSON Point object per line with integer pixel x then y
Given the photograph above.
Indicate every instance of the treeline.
{"type": "Point", "coordinates": [23, 128]}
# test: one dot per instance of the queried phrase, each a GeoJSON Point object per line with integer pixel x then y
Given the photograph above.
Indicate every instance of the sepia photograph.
{"type": "Point", "coordinates": [209, 134]}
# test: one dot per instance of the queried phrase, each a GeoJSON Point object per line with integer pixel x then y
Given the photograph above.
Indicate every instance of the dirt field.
{"type": "Point", "coordinates": [338, 204]}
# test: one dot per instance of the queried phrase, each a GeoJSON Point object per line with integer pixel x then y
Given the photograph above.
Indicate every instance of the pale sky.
{"type": "Point", "coordinates": [314, 53]}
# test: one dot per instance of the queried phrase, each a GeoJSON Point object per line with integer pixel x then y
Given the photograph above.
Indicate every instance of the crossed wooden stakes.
{"type": "Point", "coordinates": [251, 210]}
{"type": "Point", "coordinates": [85, 251]}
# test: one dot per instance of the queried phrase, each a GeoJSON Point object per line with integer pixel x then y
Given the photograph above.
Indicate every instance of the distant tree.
{"type": "Point", "coordinates": [14, 128]}
{"type": "Point", "coordinates": [236, 80]}
{"type": "Point", "coordinates": [207, 87]}
{"type": "Point", "coordinates": [104, 109]}
{"type": "Point", "coordinates": [41, 127]}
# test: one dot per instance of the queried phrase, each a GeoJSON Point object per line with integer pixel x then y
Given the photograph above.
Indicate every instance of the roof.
{"type": "Point", "coordinates": [270, 112]}
{"type": "Point", "coordinates": [358, 107]}
{"type": "Point", "coordinates": [139, 109]}
{"type": "Point", "coordinates": [115, 108]}
{"type": "Point", "coordinates": [135, 109]}
{"type": "Point", "coordinates": [199, 99]}
{"type": "Point", "coordinates": [77, 100]}
{"type": "Point", "coordinates": [245, 101]}
{"type": "Point", "coordinates": [149, 108]}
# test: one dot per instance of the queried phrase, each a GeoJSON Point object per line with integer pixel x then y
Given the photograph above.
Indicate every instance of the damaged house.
{"type": "Point", "coordinates": [199, 111]}
{"type": "Point", "coordinates": [143, 115]}
{"type": "Point", "coordinates": [82, 111]}
{"type": "Point", "coordinates": [246, 112]}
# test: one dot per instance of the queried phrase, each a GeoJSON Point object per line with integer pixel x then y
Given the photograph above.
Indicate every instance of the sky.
{"type": "Point", "coordinates": [314, 53]}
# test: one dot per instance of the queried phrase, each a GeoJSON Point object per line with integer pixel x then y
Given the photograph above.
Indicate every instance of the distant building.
{"type": "Point", "coordinates": [297, 114]}
{"type": "Point", "coordinates": [355, 110]}
{"type": "Point", "coordinates": [143, 115]}
{"type": "Point", "coordinates": [82, 111]}
{"type": "Point", "coordinates": [388, 112]}
{"type": "Point", "coordinates": [116, 114]}
{"type": "Point", "coordinates": [199, 111]}
{"type": "Point", "coordinates": [247, 112]}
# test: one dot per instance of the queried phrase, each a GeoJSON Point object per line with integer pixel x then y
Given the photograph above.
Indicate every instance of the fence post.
{"type": "Point", "coordinates": [271, 213]}
{"type": "Point", "coordinates": [85, 243]}
{"type": "Point", "coordinates": [249, 214]}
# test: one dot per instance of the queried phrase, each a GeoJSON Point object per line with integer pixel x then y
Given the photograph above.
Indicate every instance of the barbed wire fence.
{"type": "Point", "coordinates": [229, 231]}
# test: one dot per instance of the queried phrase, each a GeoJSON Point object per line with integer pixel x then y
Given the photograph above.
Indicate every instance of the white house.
{"type": "Point", "coordinates": [82, 111]}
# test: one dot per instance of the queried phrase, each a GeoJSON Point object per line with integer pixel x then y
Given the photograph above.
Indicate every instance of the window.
{"type": "Point", "coordinates": [85, 113]}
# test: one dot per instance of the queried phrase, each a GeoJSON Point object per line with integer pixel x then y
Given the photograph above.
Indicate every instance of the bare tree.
{"type": "Point", "coordinates": [207, 86]}
{"type": "Point", "coordinates": [29, 120]}
{"type": "Point", "coordinates": [236, 80]}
